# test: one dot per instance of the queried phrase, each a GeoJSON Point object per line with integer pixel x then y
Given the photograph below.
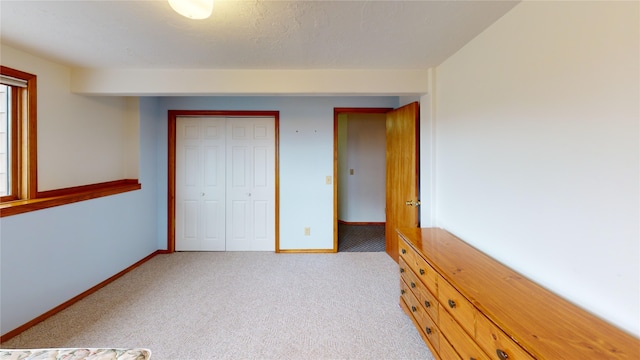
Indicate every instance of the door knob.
{"type": "Point", "coordinates": [408, 203]}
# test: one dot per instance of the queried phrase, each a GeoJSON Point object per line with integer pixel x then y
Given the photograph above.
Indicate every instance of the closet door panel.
{"type": "Point", "coordinates": [263, 184]}
{"type": "Point", "coordinates": [240, 222]}
{"type": "Point", "coordinates": [200, 184]}
{"type": "Point", "coordinates": [251, 165]}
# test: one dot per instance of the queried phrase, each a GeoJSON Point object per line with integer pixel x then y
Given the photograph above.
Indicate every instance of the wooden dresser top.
{"type": "Point", "coordinates": [546, 325]}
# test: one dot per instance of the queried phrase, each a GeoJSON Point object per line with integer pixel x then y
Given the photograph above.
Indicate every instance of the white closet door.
{"type": "Point", "coordinates": [250, 184]}
{"type": "Point", "coordinates": [200, 184]}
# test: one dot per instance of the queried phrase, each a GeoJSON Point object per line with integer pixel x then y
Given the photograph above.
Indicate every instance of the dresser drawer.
{"type": "Point", "coordinates": [404, 268]}
{"type": "Point", "coordinates": [457, 305]}
{"type": "Point", "coordinates": [429, 302]}
{"type": "Point", "coordinates": [424, 296]}
{"type": "Point", "coordinates": [426, 325]}
{"type": "Point", "coordinates": [428, 275]}
{"type": "Point", "coordinates": [412, 303]}
{"type": "Point", "coordinates": [429, 327]}
{"type": "Point", "coordinates": [420, 267]}
{"type": "Point", "coordinates": [496, 343]}
{"type": "Point", "coordinates": [404, 288]}
{"type": "Point", "coordinates": [405, 251]}
{"type": "Point", "coordinates": [462, 342]}
{"type": "Point", "coordinates": [410, 278]}
{"type": "Point", "coordinates": [447, 351]}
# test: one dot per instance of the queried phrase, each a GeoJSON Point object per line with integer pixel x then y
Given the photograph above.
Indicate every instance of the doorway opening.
{"type": "Point", "coordinates": [359, 173]}
{"type": "Point", "coordinates": [402, 169]}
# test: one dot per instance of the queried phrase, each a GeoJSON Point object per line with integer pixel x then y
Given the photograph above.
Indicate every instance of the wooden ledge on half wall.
{"type": "Point", "coordinates": [51, 198]}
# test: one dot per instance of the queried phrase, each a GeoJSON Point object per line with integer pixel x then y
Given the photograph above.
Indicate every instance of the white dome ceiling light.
{"type": "Point", "coordinates": [193, 9]}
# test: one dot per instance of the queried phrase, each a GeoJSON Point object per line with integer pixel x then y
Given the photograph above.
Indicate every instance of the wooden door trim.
{"type": "Point", "coordinates": [172, 116]}
{"type": "Point", "coordinates": [336, 112]}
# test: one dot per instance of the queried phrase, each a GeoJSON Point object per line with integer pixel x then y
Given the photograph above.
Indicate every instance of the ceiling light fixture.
{"type": "Point", "coordinates": [193, 9]}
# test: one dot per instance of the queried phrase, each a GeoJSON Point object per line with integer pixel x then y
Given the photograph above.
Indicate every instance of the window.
{"type": "Point", "coordinates": [17, 134]}
{"type": "Point", "coordinates": [5, 141]}
{"type": "Point", "coordinates": [18, 154]}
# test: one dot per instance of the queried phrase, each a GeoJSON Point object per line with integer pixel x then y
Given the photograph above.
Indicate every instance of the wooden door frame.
{"type": "Point", "coordinates": [172, 116]}
{"type": "Point", "coordinates": [336, 112]}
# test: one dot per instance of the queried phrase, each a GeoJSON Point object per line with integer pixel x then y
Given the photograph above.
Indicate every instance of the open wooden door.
{"type": "Point", "coordinates": [402, 209]}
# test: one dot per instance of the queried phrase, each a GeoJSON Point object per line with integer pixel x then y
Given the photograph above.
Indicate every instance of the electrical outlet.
{"type": "Point", "coordinates": [328, 180]}
{"type": "Point", "coordinates": [307, 231]}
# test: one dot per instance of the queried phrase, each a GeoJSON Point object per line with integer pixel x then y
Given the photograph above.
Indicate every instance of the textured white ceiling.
{"type": "Point", "coordinates": [247, 34]}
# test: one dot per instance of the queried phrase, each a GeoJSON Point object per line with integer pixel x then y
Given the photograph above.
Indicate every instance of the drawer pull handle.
{"type": "Point", "coordinates": [402, 291]}
{"type": "Point", "coordinates": [401, 270]}
{"type": "Point", "coordinates": [404, 251]}
{"type": "Point", "coordinates": [421, 271]}
{"type": "Point", "coordinates": [501, 354]}
{"type": "Point", "coordinates": [413, 284]}
{"type": "Point", "coordinates": [428, 330]}
{"type": "Point", "coordinates": [413, 308]}
{"type": "Point", "coordinates": [427, 303]}
{"type": "Point", "coordinates": [452, 303]}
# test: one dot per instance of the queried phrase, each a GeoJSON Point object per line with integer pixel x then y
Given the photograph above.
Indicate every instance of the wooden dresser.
{"type": "Point", "coordinates": [468, 306]}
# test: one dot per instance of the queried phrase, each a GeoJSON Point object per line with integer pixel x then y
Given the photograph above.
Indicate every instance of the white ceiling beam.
{"type": "Point", "coordinates": [177, 82]}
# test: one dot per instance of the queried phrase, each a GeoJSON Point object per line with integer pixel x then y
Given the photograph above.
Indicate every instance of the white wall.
{"type": "Point", "coordinates": [75, 132]}
{"type": "Point", "coordinates": [537, 150]}
{"type": "Point", "coordinates": [362, 195]}
{"type": "Point", "coordinates": [131, 138]}
{"type": "Point", "coordinates": [49, 256]}
{"type": "Point", "coordinates": [306, 158]}
{"type": "Point", "coordinates": [427, 157]}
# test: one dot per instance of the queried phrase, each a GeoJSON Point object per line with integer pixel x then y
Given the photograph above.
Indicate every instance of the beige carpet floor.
{"type": "Point", "coordinates": [244, 305]}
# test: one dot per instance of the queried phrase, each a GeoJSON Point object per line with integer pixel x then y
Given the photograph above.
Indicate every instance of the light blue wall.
{"type": "Point", "coordinates": [306, 158]}
{"type": "Point", "coordinates": [50, 256]}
